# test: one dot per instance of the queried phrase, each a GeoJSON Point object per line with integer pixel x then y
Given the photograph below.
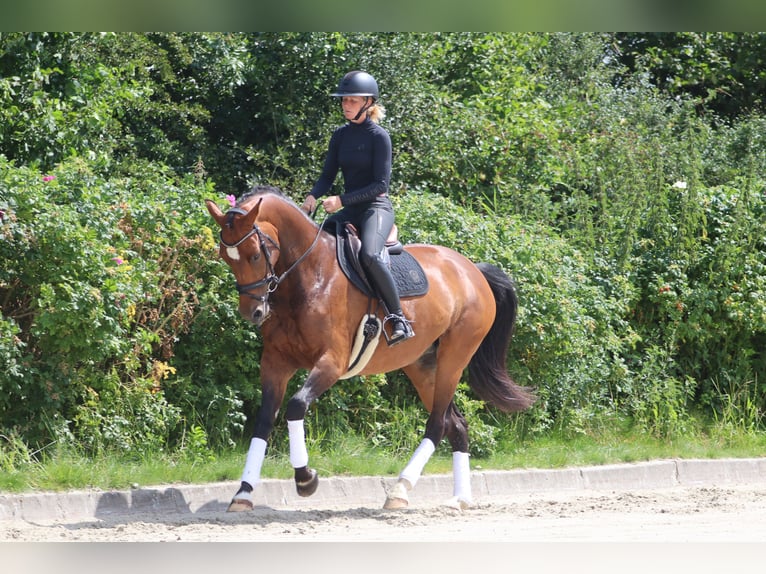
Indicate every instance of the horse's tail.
{"type": "Point", "coordinates": [487, 374]}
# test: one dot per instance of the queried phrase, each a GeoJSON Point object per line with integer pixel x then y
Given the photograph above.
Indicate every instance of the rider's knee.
{"type": "Point", "coordinates": [371, 259]}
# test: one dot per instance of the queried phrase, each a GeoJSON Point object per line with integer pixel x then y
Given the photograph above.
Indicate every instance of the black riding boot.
{"type": "Point", "coordinates": [401, 329]}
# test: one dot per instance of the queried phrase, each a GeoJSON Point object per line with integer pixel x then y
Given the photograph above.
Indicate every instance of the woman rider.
{"type": "Point", "coordinates": [361, 150]}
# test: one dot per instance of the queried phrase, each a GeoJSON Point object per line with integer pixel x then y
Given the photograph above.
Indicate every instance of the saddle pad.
{"type": "Point", "coordinates": [408, 275]}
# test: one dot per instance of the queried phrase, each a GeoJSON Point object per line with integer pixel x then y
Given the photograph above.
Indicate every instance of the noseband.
{"type": "Point", "coordinates": [271, 279]}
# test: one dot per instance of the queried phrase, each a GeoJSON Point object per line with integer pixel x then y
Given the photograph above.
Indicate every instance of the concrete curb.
{"type": "Point", "coordinates": [214, 497]}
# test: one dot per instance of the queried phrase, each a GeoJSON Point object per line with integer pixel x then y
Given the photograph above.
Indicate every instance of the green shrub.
{"type": "Point", "coordinates": [631, 221]}
{"type": "Point", "coordinates": [571, 334]}
{"type": "Point", "coordinates": [100, 279]}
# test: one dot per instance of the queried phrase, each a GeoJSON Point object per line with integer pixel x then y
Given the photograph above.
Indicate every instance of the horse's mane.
{"type": "Point", "coordinates": [258, 190]}
{"type": "Point", "coordinates": [261, 190]}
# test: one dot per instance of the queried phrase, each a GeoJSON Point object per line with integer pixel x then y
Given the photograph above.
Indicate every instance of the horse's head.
{"type": "Point", "coordinates": [249, 247]}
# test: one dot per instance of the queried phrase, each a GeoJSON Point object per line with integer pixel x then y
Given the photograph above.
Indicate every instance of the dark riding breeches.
{"type": "Point", "coordinates": [374, 222]}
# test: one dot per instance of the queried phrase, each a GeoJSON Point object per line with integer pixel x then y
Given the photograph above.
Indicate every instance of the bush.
{"type": "Point", "coordinates": [101, 278]}
{"type": "Point", "coordinates": [571, 334]}
{"type": "Point", "coordinates": [630, 215]}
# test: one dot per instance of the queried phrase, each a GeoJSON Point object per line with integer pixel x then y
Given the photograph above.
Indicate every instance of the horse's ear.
{"type": "Point", "coordinates": [253, 214]}
{"type": "Point", "coordinates": [215, 211]}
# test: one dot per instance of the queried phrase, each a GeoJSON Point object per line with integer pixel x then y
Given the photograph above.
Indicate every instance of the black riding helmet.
{"type": "Point", "coordinates": [357, 83]}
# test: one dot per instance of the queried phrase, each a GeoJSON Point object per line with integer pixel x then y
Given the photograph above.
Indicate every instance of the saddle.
{"type": "Point", "coordinates": [408, 274]}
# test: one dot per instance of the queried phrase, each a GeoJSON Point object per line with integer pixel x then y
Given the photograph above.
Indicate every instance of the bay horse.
{"type": "Point", "coordinates": [292, 288]}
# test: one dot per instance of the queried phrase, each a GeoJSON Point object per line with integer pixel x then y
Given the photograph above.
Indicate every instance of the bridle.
{"type": "Point", "coordinates": [271, 280]}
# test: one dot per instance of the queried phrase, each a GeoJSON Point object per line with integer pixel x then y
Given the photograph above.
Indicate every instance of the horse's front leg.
{"type": "Point", "coordinates": [318, 381]}
{"type": "Point", "coordinates": [272, 397]}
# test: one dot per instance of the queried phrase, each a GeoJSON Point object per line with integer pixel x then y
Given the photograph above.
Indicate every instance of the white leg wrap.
{"type": "Point", "coordinates": [255, 455]}
{"type": "Point", "coordinates": [414, 468]}
{"type": "Point", "coordinates": [461, 472]}
{"type": "Point", "coordinates": [299, 456]}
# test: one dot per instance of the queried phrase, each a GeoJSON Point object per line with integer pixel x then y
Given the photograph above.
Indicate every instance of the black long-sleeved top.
{"type": "Point", "coordinates": [363, 154]}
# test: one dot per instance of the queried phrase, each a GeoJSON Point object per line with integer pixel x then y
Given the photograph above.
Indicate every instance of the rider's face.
{"type": "Point", "coordinates": [351, 106]}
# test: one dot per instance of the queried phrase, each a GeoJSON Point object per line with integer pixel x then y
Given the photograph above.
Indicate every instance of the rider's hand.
{"type": "Point", "coordinates": [309, 204]}
{"type": "Point", "coordinates": [332, 204]}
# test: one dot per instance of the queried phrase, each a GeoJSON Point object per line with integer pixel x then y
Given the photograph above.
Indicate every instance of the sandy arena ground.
{"type": "Point", "coordinates": [679, 514]}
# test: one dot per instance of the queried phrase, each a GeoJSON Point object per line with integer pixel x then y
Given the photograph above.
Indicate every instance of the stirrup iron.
{"type": "Point", "coordinates": [408, 332]}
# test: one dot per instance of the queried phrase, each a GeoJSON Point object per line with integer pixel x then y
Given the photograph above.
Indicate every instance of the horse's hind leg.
{"type": "Point", "coordinates": [436, 391]}
{"type": "Point", "coordinates": [423, 376]}
{"type": "Point", "coordinates": [457, 434]}
{"type": "Point", "coordinates": [398, 496]}
{"type": "Point", "coordinates": [436, 376]}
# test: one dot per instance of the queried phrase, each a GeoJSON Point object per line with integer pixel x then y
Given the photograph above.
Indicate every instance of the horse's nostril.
{"type": "Point", "coordinates": [259, 315]}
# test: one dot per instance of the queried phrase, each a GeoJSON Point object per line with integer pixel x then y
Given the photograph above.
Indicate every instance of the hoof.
{"type": "Point", "coordinates": [240, 505]}
{"type": "Point", "coordinates": [396, 503]}
{"type": "Point", "coordinates": [397, 498]}
{"type": "Point", "coordinates": [309, 486]}
{"type": "Point", "coordinates": [458, 503]}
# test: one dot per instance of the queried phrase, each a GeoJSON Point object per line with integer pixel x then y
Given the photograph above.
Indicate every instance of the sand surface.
{"type": "Point", "coordinates": [679, 514]}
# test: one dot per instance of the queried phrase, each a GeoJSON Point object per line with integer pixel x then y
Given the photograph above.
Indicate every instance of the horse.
{"type": "Point", "coordinates": [309, 315]}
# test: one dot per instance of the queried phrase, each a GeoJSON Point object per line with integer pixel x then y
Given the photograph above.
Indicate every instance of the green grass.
{"type": "Point", "coordinates": [353, 456]}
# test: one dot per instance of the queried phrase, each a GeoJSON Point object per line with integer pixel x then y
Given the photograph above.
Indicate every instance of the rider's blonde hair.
{"type": "Point", "coordinates": [376, 112]}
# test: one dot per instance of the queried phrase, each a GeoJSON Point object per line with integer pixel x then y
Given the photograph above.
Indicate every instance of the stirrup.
{"type": "Point", "coordinates": [408, 332]}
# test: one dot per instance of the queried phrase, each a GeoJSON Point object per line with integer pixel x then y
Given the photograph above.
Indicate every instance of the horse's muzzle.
{"type": "Point", "coordinates": [256, 314]}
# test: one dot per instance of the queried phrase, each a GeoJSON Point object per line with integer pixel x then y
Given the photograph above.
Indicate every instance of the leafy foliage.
{"type": "Point", "coordinates": [724, 71]}
{"type": "Point", "coordinates": [113, 274]}
{"type": "Point", "coordinates": [617, 177]}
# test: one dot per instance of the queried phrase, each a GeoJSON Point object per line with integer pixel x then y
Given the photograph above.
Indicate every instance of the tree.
{"type": "Point", "coordinates": [724, 71]}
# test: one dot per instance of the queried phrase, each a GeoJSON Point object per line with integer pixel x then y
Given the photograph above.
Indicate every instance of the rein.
{"type": "Point", "coordinates": [271, 279]}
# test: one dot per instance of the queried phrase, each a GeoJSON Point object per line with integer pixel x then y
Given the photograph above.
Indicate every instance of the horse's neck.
{"type": "Point", "coordinates": [298, 236]}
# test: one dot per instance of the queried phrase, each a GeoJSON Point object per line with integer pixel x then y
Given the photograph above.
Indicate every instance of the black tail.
{"type": "Point", "coordinates": [487, 374]}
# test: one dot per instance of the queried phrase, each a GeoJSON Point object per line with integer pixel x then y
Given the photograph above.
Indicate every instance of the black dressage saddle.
{"type": "Point", "coordinates": [411, 280]}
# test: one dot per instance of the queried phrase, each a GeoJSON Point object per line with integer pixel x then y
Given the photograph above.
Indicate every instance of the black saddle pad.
{"type": "Point", "coordinates": [408, 274]}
